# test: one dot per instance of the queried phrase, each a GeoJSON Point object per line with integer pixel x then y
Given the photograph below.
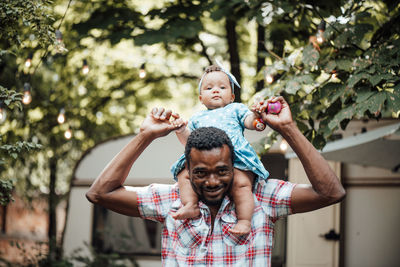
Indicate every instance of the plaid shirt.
{"type": "Point", "coordinates": [191, 242]}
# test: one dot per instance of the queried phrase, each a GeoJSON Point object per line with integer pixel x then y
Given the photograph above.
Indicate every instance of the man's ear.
{"type": "Point", "coordinates": [187, 166]}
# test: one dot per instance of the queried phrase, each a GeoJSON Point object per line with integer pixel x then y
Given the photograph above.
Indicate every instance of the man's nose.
{"type": "Point", "coordinates": [212, 180]}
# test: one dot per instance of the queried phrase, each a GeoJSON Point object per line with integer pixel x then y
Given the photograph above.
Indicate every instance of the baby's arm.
{"type": "Point", "coordinates": [249, 121]}
{"type": "Point", "coordinates": [253, 121]}
{"type": "Point", "coordinates": [183, 132]}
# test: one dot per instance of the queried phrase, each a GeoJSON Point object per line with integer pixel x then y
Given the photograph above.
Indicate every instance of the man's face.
{"type": "Point", "coordinates": [211, 174]}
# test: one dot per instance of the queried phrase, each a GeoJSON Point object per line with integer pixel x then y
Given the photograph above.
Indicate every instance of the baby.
{"type": "Point", "coordinates": [216, 93]}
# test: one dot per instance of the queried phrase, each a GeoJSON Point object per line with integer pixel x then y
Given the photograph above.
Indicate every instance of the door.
{"type": "Point", "coordinates": [312, 236]}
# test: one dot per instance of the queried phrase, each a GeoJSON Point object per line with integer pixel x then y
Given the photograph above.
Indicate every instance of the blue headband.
{"type": "Point", "coordinates": [230, 76]}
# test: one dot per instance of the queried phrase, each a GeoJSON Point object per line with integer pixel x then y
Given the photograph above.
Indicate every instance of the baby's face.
{"type": "Point", "coordinates": [216, 91]}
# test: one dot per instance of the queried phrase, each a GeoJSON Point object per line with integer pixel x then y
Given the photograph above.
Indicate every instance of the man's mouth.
{"type": "Point", "coordinates": [212, 192]}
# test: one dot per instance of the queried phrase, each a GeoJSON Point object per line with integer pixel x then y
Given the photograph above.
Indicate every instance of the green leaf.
{"type": "Point", "coordinates": [346, 113]}
{"type": "Point", "coordinates": [306, 79]}
{"type": "Point", "coordinates": [361, 63]}
{"type": "Point", "coordinates": [310, 55]}
{"type": "Point", "coordinates": [294, 57]}
{"type": "Point", "coordinates": [292, 87]}
{"type": "Point", "coordinates": [342, 39]}
{"type": "Point", "coordinates": [330, 66]}
{"type": "Point", "coordinates": [280, 65]}
{"type": "Point", "coordinates": [376, 79]}
{"type": "Point", "coordinates": [373, 104]}
{"type": "Point", "coordinates": [332, 91]}
{"type": "Point", "coordinates": [344, 64]}
{"type": "Point", "coordinates": [363, 95]}
{"type": "Point", "coordinates": [358, 32]}
{"type": "Point", "coordinates": [354, 79]}
{"type": "Point", "coordinates": [393, 99]}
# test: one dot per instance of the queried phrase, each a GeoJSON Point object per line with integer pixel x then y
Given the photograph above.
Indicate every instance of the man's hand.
{"type": "Point", "coordinates": [276, 121]}
{"type": "Point", "coordinates": [158, 123]}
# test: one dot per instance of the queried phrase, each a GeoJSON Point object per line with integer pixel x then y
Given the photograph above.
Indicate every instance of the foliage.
{"type": "Point", "coordinates": [37, 256]}
{"type": "Point", "coordinates": [353, 73]}
{"type": "Point", "coordinates": [21, 22]}
{"type": "Point", "coordinates": [21, 17]}
{"type": "Point", "coordinates": [109, 100]}
{"type": "Point", "coordinates": [6, 187]}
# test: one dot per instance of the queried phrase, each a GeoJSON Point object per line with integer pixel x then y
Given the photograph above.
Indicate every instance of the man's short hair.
{"type": "Point", "coordinates": [207, 138]}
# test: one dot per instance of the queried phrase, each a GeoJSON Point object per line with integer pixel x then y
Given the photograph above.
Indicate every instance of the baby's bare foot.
{"type": "Point", "coordinates": [242, 227]}
{"type": "Point", "coordinates": [187, 212]}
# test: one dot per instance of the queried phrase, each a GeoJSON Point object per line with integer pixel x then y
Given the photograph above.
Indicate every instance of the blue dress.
{"type": "Point", "coordinates": [230, 119]}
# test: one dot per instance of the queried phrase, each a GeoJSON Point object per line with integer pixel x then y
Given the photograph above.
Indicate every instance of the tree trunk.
{"type": "Point", "coordinates": [52, 230]}
{"type": "Point", "coordinates": [260, 56]}
{"type": "Point", "coordinates": [230, 27]}
{"type": "Point", "coordinates": [4, 220]}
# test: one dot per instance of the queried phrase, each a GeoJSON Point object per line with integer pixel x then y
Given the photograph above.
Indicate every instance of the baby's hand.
{"type": "Point", "coordinates": [259, 106]}
{"type": "Point", "coordinates": [179, 122]}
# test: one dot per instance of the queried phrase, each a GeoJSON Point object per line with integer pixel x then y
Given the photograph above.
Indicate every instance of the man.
{"type": "Point", "coordinates": [206, 241]}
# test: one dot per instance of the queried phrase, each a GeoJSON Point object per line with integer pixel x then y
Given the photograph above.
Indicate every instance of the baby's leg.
{"type": "Point", "coordinates": [189, 199]}
{"type": "Point", "coordinates": [243, 197]}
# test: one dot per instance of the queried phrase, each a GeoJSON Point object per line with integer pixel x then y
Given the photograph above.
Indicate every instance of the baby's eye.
{"type": "Point", "coordinates": [223, 87]}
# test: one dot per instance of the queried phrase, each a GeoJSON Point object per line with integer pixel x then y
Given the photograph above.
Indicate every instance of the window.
{"type": "Point", "coordinates": [113, 232]}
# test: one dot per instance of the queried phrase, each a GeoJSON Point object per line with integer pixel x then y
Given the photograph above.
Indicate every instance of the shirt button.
{"type": "Point", "coordinates": [203, 249]}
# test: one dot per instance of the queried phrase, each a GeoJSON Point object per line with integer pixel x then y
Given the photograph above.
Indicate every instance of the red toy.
{"type": "Point", "coordinates": [259, 124]}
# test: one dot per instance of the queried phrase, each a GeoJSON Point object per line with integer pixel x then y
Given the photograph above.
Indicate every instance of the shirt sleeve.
{"type": "Point", "coordinates": [242, 111]}
{"type": "Point", "coordinates": [275, 197]}
{"type": "Point", "coordinates": [155, 201]}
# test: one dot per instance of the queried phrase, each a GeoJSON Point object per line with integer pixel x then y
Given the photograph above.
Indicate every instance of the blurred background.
{"type": "Point", "coordinates": [78, 77]}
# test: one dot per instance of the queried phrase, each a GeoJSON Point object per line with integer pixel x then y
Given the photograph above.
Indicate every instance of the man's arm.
{"type": "Point", "coordinates": [108, 190]}
{"type": "Point", "coordinates": [325, 188]}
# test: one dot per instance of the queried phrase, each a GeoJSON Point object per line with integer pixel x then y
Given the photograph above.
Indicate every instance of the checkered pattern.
{"type": "Point", "coordinates": [191, 243]}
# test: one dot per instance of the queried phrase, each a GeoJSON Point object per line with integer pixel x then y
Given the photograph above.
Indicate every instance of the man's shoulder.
{"type": "Point", "coordinates": [160, 189]}
{"type": "Point", "coordinates": [156, 200]}
{"type": "Point", "coordinates": [271, 187]}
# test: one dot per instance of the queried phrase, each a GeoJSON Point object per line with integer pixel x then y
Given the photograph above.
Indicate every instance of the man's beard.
{"type": "Point", "coordinates": [211, 202]}
{"type": "Point", "coordinates": [216, 202]}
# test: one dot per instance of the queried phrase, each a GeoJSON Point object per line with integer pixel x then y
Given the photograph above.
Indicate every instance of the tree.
{"type": "Point", "coordinates": [21, 22]}
{"type": "Point", "coordinates": [348, 68]}
{"type": "Point", "coordinates": [58, 86]}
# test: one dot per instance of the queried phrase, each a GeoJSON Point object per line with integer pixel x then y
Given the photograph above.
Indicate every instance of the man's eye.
{"type": "Point", "coordinates": [223, 172]}
{"type": "Point", "coordinates": [200, 174]}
